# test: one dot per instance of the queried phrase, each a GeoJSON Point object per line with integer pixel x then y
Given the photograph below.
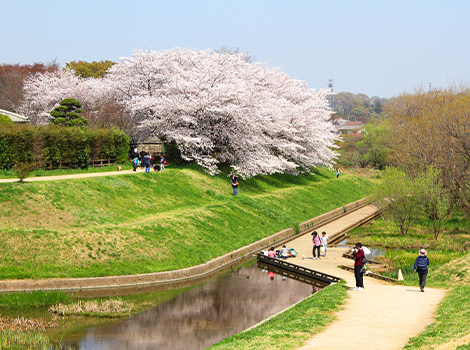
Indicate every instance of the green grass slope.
{"type": "Point", "coordinates": [140, 223]}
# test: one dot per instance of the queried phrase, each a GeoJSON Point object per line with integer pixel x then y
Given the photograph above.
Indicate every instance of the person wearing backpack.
{"type": "Point", "coordinates": [359, 256]}
{"type": "Point", "coordinates": [135, 159]}
{"type": "Point", "coordinates": [421, 267]}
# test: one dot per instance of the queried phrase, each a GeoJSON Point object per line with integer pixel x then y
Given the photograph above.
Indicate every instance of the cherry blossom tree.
{"type": "Point", "coordinates": [218, 107]}
{"type": "Point", "coordinates": [44, 91]}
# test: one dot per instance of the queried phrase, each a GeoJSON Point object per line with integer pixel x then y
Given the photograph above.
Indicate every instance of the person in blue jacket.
{"type": "Point", "coordinates": [421, 267]}
{"type": "Point", "coordinates": [146, 160]}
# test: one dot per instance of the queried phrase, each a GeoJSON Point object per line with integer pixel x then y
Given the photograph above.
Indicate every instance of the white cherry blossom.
{"type": "Point", "coordinates": [217, 107]}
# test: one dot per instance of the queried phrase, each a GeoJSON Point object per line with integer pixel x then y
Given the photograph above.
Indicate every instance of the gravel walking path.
{"type": "Point", "coordinates": [382, 316]}
{"type": "Point", "coordinates": [73, 176]}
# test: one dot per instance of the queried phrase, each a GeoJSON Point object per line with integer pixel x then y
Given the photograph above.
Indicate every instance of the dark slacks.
{"type": "Point", "coordinates": [316, 248]}
{"type": "Point", "coordinates": [359, 276]}
{"type": "Point", "coordinates": [422, 280]}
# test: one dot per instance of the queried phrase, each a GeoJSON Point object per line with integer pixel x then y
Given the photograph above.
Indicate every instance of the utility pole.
{"type": "Point", "coordinates": [332, 99]}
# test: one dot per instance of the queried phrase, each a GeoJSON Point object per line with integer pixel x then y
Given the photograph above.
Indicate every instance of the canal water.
{"type": "Point", "coordinates": [204, 315]}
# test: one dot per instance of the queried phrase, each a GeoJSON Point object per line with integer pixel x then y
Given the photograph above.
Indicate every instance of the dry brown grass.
{"type": "Point", "coordinates": [457, 271]}
{"type": "Point", "coordinates": [25, 325]}
{"type": "Point", "coordinates": [36, 212]}
{"type": "Point", "coordinates": [106, 307]}
{"type": "Point", "coordinates": [80, 246]}
{"type": "Point", "coordinates": [366, 173]}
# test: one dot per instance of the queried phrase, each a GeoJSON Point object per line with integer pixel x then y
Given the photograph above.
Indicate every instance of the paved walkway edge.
{"type": "Point", "coordinates": [177, 276]}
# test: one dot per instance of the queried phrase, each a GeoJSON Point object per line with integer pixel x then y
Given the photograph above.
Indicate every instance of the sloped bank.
{"type": "Point", "coordinates": [177, 276]}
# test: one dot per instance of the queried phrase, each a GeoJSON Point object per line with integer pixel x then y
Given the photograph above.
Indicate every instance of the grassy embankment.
{"type": "Point", "coordinates": [449, 269]}
{"type": "Point", "coordinates": [153, 222]}
{"type": "Point", "coordinates": [140, 223]}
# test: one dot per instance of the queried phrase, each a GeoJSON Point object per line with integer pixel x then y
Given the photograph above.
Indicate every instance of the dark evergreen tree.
{"type": "Point", "coordinates": [68, 113]}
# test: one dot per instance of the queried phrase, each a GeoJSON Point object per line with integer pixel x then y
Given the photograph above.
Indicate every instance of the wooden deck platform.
{"type": "Point", "coordinates": [300, 270]}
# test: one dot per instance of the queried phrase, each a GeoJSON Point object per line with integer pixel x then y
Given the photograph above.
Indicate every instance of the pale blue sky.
{"type": "Point", "coordinates": [380, 48]}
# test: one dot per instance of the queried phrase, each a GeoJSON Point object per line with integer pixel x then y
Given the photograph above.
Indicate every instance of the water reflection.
{"type": "Point", "coordinates": [204, 315]}
{"type": "Point", "coordinates": [375, 252]}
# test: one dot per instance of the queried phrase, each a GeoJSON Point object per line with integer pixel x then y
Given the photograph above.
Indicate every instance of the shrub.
{"type": "Point", "coordinates": [52, 145]}
{"type": "Point", "coordinates": [23, 170]}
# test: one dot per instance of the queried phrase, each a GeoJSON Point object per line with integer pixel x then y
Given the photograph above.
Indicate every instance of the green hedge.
{"type": "Point", "coordinates": [54, 145]}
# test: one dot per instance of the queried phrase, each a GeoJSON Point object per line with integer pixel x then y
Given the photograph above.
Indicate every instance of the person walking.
{"type": "Point", "coordinates": [324, 241]}
{"type": "Point", "coordinates": [421, 267]}
{"type": "Point", "coordinates": [146, 161]}
{"type": "Point", "coordinates": [162, 163]}
{"type": "Point", "coordinates": [235, 185]}
{"type": "Point", "coordinates": [359, 255]}
{"type": "Point", "coordinates": [316, 245]}
{"type": "Point", "coordinates": [142, 153]}
{"type": "Point", "coordinates": [337, 172]}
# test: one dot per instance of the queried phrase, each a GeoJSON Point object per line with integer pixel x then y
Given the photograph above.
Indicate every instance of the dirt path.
{"type": "Point", "coordinates": [73, 176]}
{"type": "Point", "coordinates": [382, 316]}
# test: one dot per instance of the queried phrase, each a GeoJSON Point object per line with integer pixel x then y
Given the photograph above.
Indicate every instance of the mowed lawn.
{"type": "Point", "coordinates": [140, 223]}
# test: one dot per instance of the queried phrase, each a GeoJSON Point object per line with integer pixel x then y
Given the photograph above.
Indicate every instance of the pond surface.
{"type": "Point", "coordinates": [374, 252]}
{"type": "Point", "coordinates": [203, 315]}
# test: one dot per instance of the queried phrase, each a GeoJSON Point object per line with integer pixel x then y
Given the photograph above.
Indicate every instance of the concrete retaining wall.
{"type": "Point", "coordinates": [195, 272]}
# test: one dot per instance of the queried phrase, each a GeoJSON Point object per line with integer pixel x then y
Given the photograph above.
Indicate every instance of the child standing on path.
{"type": "Point", "coordinates": [324, 241]}
{"type": "Point", "coordinates": [316, 245]}
{"type": "Point", "coordinates": [421, 267]}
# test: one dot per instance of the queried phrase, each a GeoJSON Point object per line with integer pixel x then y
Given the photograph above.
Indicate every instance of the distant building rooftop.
{"type": "Point", "coordinates": [17, 118]}
{"type": "Point", "coordinates": [351, 126]}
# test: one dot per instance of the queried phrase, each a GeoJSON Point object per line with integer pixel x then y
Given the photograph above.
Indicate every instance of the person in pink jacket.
{"type": "Point", "coordinates": [272, 253]}
{"type": "Point", "coordinates": [316, 245]}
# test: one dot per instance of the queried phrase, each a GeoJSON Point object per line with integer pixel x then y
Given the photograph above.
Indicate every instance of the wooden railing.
{"type": "Point", "coordinates": [298, 269]}
{"type": "Point", "coordinates": [71, 165]}
{"type": "Point", "coordinates": [103, 162]}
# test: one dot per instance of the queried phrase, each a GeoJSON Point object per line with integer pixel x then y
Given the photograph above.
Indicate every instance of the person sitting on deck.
{"type": "Point", "coordinates": [271, 253]}
{"type": "Point", "coordinates": [284, 252]}
{"type": "Point", "coordinates": [292, 252]}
